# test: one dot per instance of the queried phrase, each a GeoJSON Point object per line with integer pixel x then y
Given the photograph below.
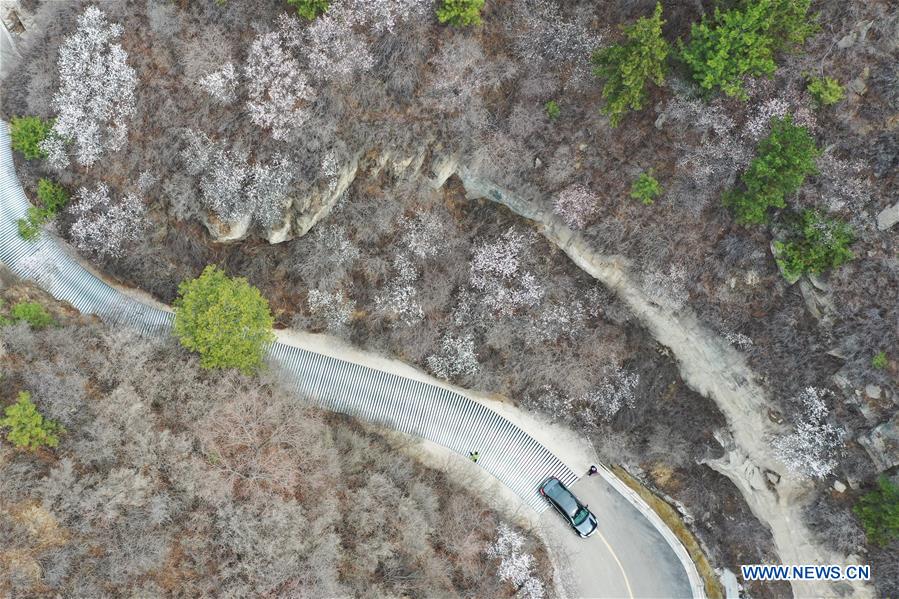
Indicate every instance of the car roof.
{"type": "Point", "coordinates": [562, 497]}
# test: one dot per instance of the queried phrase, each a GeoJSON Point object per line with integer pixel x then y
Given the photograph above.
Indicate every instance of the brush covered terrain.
{"type": "Point", "coordinates": [301, 154]}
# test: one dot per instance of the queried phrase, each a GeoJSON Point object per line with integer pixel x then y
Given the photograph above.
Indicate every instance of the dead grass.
{"type": "Point", "coordinates": [672, 519]}
{"type": "Point", "coordinates": [44, 533]}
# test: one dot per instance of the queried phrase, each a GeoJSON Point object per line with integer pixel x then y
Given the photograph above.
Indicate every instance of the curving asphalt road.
{"type": "Point", "coordinates": [634, 554]}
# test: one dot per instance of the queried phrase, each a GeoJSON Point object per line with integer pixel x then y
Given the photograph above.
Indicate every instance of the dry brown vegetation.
{"type": "Point", "coordinates": [480, 93]}
{"type": "Point", "coordinates": [171, 481]}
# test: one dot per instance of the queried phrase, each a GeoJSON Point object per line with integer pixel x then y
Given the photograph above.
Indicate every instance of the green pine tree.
{"type": "Point", "coordinates": [878, 511]}
{"type": "Point", "coordinates": [28, 429]}
{"type": "Point", "coordinates": [782, 162]}
{"type": "Point", "coordinates": [629, 66]}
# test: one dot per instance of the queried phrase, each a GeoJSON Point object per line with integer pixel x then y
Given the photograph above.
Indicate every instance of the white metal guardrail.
{"type": "Point", "coordinates": [414, 407]}
{"type": "Point", "coordinates": [428, 411]}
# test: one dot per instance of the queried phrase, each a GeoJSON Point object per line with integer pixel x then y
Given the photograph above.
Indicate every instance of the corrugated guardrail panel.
{"type": "Point", "coordinates": [57, 272]}
{"type": "Point", "coordinates": [430, 412]}
{"type": "Point", "coordinates": [410, 406]}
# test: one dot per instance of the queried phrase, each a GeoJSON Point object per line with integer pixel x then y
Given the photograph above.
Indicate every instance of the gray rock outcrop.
{"type": "Point", "coordinates": [888, 217]}
{"type": "Point", "coordinates": [303, 212]}
{"type": "Point", "coordinates": [882, 444]}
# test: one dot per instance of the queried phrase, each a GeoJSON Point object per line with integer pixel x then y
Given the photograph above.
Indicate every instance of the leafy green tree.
{"type": "Point", "coordinates": [646, 188]}
{"type": "Point", "coordinates": [27, 133]}
{"type": "Point", "coordinates": [552, 110]}
{"type": "Point", "coordinates": [791, 24]}
{"type": "Point", "coordinates": [628, 66]}
{"type": "Point", "coordinates": [825, 90]}
{"type": "Point", "coordinates": [30, 226]}
{"type": "Point", "coordinates": [28, 429]}
{"type": "Point", "coordinates": [33, 313]}
{"type": "Point", "coordinates": [879, 361]}
{"type": "Point", "coordinates": [310, 9]}
{"type": "Point", "coordinates": [52, 195]}
{"type": "Point", "coordinates": [816, 244]}
{"type": "Point", "coordinates": [460, 13]}
{"type": "Point", "coordinates": [878, 511]}
{"type": "Point", "coordinates": [225, 320]}
{"type": "Point", "coordinates": [783, 160]}
{"type": "Point", "coordinates": [732, 44]}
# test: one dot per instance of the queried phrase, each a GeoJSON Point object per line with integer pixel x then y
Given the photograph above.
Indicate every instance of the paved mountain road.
{"type": "Point", "coordinates": [633, 556]}
{"type": "Point", "coordinates": [636, 567]}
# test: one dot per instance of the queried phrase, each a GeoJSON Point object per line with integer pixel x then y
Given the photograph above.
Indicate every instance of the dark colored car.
{"type": "Point", "coordinates": [581, 519]}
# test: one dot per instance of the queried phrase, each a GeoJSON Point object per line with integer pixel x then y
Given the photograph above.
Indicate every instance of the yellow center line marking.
{"type": "Point", "coordinates": [627, 583]}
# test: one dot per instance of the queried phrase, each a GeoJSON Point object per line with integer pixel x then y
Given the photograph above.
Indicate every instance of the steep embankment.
{"type": "Point", "coordinates": [709, 365]}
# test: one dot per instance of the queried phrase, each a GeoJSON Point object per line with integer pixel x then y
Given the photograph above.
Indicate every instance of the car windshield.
{"type": "Point", "coordinates": [562, 497]}
{"type": "Point", "coordinates": [580, 516]}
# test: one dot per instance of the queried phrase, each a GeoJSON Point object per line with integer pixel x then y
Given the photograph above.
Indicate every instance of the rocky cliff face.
{"type": "Point", "coordinates": [304, 211]}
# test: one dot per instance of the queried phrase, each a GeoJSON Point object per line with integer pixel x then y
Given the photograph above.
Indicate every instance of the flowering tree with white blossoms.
{"type": "Point", "coordinates": [767, 103]}
{"type": "Point", "coordinates": [456, 357]}
{"type": "Point", "coordinates": [726, 148]}
{"type": "Point", "coordinates": [756, 126]}
{"type": "Point", "coordinates": [104, 227]}
{"type": "Point", "coordinates": [810, 450]}
{"type": "Point", "coordinates": [382, 16]}
{"type": "Point", "coordinates": [400, 297]}
{"type": "Point", "coordinates": [499, 259]}
{"type": "Point", "coordinates": [704, 116]}
{"type": "Point", "coordinates": [496, 272]}
{"type": "Point", "coordinates": [337, 240]}
{"type": "Point", "coordinates": [600, 404]}
{"type": "Point", "coordinates": [336, 43]}
{"type": "Point", "coordinates": [223, 183]}
{"type": "Point", "coordinates": [738, 340]}
{"type": "Point", "coordinates": [515, 567]}
{"type": "Point", "coordinates": [335, 49]}
{"type": "Point", "coordinates": [559, 320]}
{"type": "Point", "coordinates": [542, 35]}
{"type": "Point", "coordinates": [615, 392]}
{"type": "Point", "coordinates": [233, 189]}
{"type": "Point", "coordinates": [334, 307]}
{"type": "Point", "coordinates": [715, 162]}
{"type": "Point", "coordinates": [423, 234]}
{"type": "Point", "coordinates": [221, 84]}
{"type": "Point", "coordinates": [95, 99]}
{"type": "Point", "coordinates": [552, 402]}
{"type": "Point", "coordinates": [268, 187]}
{"type": "Point", "coordinates": [277, 90]}
{"type": "Point", "coordinates": [330, 170]}
{"type": "Point", "coordinates": [146, 180]}
{"type": "Point", "coordinates": [576, 205]}
{"type": "Point", "coordinates": [335, 46]}
{"type": "Point", "coordinates": [842, 185]}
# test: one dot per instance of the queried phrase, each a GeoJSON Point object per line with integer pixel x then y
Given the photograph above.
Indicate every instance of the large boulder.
{"type": "Point", "coordinates": [888, 217]}
{"type": "Point", "coordinates": [882, 444]}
